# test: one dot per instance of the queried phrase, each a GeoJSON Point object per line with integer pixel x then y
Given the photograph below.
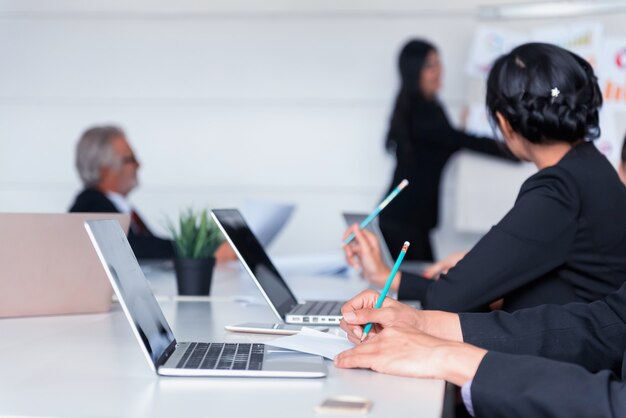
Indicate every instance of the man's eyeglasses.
{"type": "Point", "coordinates": [130, 159]}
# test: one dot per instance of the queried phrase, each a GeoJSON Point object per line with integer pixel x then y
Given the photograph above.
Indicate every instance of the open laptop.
{"type": "Point", "coordinates": [165, 355]}
{"type": "Point", "coordinates": [273, 287]}
{"type": "Point", "coordinates": [373, 227]}
{"type": "Point", "coordinates": [409, 266]}
{"type": "Point", "coordinates": [266, 218]}
{"type": "Point", "coordinates": [49, 266]}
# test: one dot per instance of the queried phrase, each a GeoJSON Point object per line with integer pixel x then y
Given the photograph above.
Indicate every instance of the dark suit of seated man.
{"type": "Point", "coordinates": [108, 169]}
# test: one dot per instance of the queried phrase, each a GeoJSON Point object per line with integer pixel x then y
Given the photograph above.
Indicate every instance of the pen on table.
{"type": "Point", "coordinates": [380, 207]}
{"type": "Point", "coordinates": [383, 294]}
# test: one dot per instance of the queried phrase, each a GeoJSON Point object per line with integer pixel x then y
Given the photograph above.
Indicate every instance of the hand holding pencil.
{"type": "Point", "coordinates": [378, 209]}
{"type": "Point", "coordinates": [385, 290]}
{"type": "Point", "coordinates": [361, 310]}
{"type": "Point", "coordinates": [365, 256]}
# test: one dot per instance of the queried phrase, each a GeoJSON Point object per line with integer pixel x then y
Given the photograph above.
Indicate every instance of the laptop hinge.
{"type": "Point", "coordinates": [167, 353]}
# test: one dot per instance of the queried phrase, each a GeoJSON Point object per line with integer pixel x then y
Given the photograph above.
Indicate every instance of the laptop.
{"type": "Point", "coordinates": [49, 266]}
{"type": "Point", "coordinates": [373, 227]}
{"type": "Point", "coordinates": [269, 281]}
{"type": "Point", "coordinates": [409, 266]}
{"type": "Point", "coordinates": [266, 219]}
{"type": "Point", "coordinates": [164, 354]}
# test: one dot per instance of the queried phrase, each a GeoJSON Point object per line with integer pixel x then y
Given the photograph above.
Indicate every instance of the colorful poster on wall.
{"type": "Point", "coordinates": [612, 71]}
{"type": "Point", "coordinates": [583, 38]}
{"type": "Point", "coordinates": [610, 141]}
{"type": "Point", "coordinates": [612, 78]}
{"type": "Point", "coordinates": [487, 45]}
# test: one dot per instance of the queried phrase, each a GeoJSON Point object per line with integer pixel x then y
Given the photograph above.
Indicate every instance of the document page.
{"type": "Point", "coordinates": [313, 342]}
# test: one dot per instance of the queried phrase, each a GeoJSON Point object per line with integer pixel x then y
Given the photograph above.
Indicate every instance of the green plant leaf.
{"type": "Point", "coordinates": [201, 238]}
{"type": "Point", "coordinates": [197, 235]}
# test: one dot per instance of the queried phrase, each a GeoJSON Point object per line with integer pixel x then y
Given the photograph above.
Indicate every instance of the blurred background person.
{"type": "Point", "coordinates": [423, 140]}
{"type": "Point", "coordinates": [108, 167]}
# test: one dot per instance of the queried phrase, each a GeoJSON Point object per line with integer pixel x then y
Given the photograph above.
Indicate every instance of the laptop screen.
{"type": "Point", "coordinates": [255, 259]}
{"type": "Point", "coordinates": [132, 288]}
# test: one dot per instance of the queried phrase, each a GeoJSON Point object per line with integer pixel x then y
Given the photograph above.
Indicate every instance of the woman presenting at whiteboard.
{"type": "Point", "coordinates": [422, 139]}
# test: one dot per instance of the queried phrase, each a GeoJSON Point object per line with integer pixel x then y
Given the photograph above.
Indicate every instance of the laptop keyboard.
{"type": "Point", "coordinates": [222, 356]}
{"type": "Point", "coordinates": [319, 308]}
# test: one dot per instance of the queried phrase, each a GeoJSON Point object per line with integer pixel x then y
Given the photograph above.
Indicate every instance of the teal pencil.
{"type": "Point", "coordinates": [383, 294]}
{"type": "Point", "coordinates": [380, 207]}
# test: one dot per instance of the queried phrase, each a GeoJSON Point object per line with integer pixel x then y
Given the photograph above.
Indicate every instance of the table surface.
{"type": "Point", "coordinates": [91, 365]}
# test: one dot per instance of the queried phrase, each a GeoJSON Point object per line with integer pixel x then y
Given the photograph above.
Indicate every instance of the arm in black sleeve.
{"type": "Point", "coordinates": [444, 135]}
{"type": "Point", "coordinates": [531, 240]}
{"type": "Point", "coordinates": [488, 146]}
{"type": "Point", "coordinates": [592, 335]}
{"type": "Point", "coordinates": [146, 247]}
{"type": "Point", "coordinates": [525, 386]}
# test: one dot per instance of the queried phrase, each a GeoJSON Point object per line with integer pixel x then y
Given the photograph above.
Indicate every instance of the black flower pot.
{"type": "Point", "coordinates": [194, 275]}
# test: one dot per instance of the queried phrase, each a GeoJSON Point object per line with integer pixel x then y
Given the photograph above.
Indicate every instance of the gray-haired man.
{"type": "Point", "coordinates": [108, 169]}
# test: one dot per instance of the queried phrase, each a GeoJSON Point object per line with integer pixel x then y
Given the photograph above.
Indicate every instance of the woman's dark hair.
{"type": "Point", "coordinates": [546, 93]}
{"type": "Point", "coordinates": [410, 64]}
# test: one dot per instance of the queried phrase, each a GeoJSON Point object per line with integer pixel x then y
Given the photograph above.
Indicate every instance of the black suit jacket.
{"type": "Point", "coordinates": [145, 244]}
{"type": "Point", "coordinates": [563, 241]}
{"type": "Point", "coordinates": [582, 348]}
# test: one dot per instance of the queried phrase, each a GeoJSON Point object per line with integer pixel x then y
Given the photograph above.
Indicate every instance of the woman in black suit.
{"type": "Point", "coordinates": [564, 240]}
{"type": "Point", "coordinates": [422, 139]}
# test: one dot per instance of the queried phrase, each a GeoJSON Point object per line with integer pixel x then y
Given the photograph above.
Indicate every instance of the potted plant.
{"type": "Point", "coordinates": [195, 241]}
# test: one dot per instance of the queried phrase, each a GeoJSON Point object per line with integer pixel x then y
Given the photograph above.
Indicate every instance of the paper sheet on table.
{"type": "Point", "coordinates": [313, 342]}
{"type": "Point", "coordinates": [266, 219]}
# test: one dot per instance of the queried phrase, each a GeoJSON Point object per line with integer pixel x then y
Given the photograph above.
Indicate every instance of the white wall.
{"type": "Point", "coordinates": [222, 101]}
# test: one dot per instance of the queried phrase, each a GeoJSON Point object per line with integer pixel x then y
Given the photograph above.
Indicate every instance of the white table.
{"type": "Point", "coordinates": [92, 366]}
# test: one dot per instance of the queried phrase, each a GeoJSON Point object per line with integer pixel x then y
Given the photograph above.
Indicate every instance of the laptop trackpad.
{"type": "Point", "coordinates": [279, 359]}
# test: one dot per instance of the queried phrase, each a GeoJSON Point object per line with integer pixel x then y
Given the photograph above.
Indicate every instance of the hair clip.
{"type": "Point", "coordinates": [555, 93]}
